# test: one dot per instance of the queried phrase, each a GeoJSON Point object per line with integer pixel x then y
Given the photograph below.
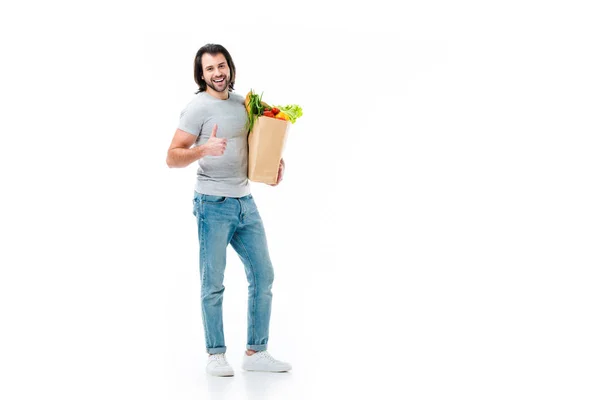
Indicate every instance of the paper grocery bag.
{"type": "Point", "coordinates": [265, 148]}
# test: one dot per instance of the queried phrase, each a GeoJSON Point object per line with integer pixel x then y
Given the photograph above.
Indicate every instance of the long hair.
{"type": "Point", "coordinates": [213, 50]}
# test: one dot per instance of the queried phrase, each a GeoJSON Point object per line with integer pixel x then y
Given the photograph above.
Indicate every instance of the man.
{"type": "Point", "coordinates": [212, 131]}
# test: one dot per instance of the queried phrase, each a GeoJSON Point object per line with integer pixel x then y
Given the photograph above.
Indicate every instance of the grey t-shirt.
{"type": "Point", "coordinates": [225, 175]}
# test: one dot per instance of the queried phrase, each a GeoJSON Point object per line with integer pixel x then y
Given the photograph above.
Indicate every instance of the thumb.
{"type": "Point", "coordinates": [214, 132]}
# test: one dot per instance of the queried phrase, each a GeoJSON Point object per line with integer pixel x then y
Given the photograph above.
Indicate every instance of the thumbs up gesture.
{"type": "Point", "coordinates": [215, 146]}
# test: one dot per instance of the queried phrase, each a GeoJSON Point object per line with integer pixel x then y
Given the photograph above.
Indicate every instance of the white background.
{"type": "Point", "coordinates": [435, 236]}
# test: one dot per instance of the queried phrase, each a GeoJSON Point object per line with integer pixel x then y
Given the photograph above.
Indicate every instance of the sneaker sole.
{"type": "Point", "coordinates": [265, 370]}
{"type": "Point", "coordinates": [221, 374]}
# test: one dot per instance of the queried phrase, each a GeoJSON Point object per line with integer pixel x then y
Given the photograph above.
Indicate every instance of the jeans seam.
{"type": "Point", "coordinates": [255, 288]}
{"type": "Point", "coordinates": [203, 274]}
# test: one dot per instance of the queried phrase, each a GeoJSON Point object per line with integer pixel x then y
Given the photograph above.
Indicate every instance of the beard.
{"type": "Point", "coordinates": [225, 85]}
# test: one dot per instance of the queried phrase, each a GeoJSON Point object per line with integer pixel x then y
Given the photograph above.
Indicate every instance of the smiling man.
{"type": "Point", "coordinates": [212, 131]}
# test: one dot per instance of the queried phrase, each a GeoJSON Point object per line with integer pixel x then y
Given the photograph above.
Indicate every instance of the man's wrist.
{"type": "Point", "coordinates": [200, 151]}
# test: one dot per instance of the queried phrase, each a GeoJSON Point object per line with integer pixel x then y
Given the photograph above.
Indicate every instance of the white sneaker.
{"type": "Point", "coordinates": [218, 366]}
{"type": "Point", "coordinates": [263, 361]}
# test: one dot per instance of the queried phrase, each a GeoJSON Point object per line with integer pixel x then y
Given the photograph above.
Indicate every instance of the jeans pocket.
{"type": "Point", "coordinates": [210, 199]}
{"type": "Point", "coordinates": [195, 203]}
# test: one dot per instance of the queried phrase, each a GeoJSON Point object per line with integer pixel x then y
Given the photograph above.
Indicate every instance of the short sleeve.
{"type": "Point", "coordinates": [191, 119]}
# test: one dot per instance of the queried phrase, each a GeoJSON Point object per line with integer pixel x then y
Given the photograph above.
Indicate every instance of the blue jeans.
{"type": "Point", "coordinates": [221, 221]}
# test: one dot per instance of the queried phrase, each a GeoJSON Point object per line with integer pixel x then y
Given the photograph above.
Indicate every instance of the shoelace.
{"type": "Point", "coordinates": [264, 354]}
{"type": "Point", "coordinates": [219, 358]}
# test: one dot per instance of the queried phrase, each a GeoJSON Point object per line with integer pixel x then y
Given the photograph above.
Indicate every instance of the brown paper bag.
{"type": "Point", "coordinates": [265, 148]}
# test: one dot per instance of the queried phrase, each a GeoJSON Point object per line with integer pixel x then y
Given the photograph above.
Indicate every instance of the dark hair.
{"type": "Point", "coordinates": [212, 49]}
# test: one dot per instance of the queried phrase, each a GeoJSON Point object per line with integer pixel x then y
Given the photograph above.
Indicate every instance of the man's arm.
{"type": "Point", "coordinates": [180, 154]}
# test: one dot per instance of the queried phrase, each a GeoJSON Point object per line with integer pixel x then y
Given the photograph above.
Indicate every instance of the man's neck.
{"type": "Point", "coordinates": [218, 95]}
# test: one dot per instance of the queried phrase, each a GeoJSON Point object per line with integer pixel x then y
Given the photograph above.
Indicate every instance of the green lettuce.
{"type": "Point", "coordinates": [293, 111]}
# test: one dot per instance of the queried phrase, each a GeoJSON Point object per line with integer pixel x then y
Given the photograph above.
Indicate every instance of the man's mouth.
{"type": "Point", "coordinates": [219, 80]}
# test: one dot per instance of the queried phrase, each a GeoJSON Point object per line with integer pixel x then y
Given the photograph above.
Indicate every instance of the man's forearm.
{"type": "Point", "coordinates": [180, 158]}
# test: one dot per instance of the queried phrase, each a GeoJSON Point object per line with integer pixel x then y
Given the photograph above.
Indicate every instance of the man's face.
{"type": "Point", "coordinates": [215, 72]}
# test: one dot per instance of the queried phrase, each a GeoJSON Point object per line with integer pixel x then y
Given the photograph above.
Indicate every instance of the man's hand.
{"type": "Point", "coordinates": [279, 173]}
{"type": "Point", "coordinates": [214, 146]}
